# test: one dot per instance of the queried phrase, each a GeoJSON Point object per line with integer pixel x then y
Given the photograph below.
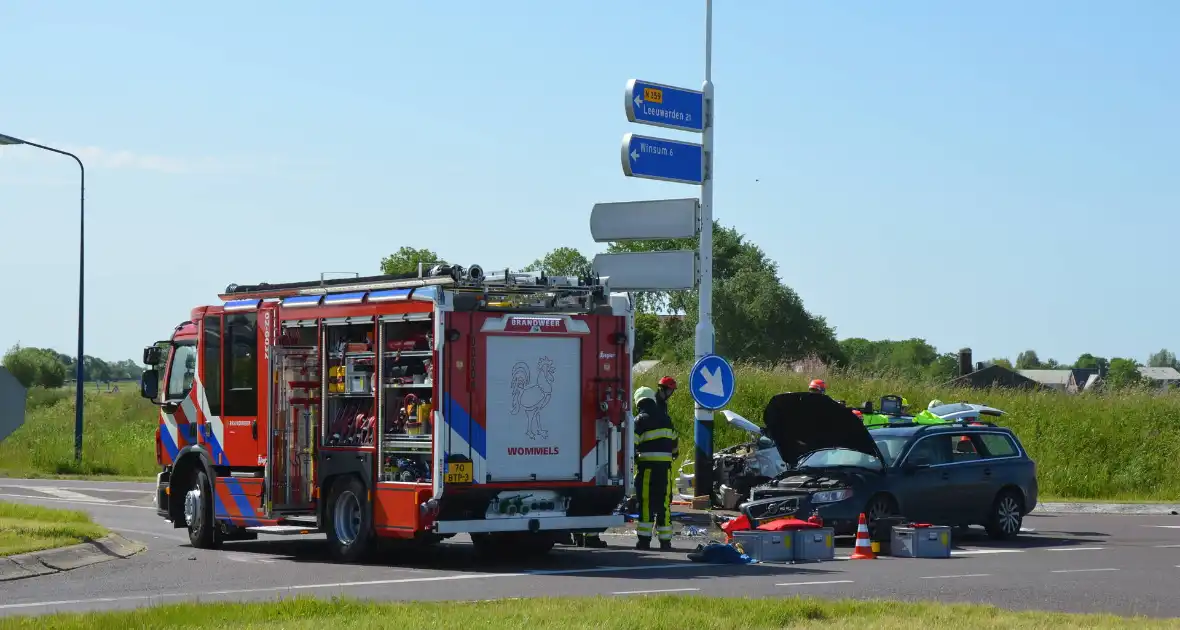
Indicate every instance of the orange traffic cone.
{"type": "Point", "coordinates": [864, 548]}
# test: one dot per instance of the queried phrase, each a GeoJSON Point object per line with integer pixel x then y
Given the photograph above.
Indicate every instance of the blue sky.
{"type": "Point", "coordinates": [1013, 163]}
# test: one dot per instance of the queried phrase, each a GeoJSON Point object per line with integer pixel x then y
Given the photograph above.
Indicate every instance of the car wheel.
{"type": "Point", "coordinates": [198, 512]}
{"type": "Point", "coordinates": [879, 507]}
{"type": "Point", "coordinates": [1006, 517]}
{"type": "Point", "coordinates": [349, 529]}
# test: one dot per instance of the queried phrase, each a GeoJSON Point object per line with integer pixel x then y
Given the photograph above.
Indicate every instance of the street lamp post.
{"type": "Point", "coordinates": [78, 395]}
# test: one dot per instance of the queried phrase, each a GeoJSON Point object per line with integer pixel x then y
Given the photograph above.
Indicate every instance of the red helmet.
{"type": "Point", "coordinates": [817, 385]}
{"type": "Point", "coordinates": [668, 382]}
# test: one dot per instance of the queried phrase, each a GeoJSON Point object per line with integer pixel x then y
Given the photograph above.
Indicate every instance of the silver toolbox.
{"type": "Point", "coordinates": [920, 542]}
{"type": "Point", "coordinates": [814, 544]}
{"type": "Point", "coordinates": [766, 546]}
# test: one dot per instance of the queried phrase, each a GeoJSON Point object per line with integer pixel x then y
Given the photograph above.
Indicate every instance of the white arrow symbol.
{"type": "Point", "coordinates": [634, 154]}
{"type": "Point", "coordinates": [713, 384]}
{"type": "Point", "coordinates": [639, 101]}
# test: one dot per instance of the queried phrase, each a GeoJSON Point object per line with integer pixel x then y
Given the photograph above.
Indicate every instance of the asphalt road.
{"type": "Point", "coordinates": [1123, 564]}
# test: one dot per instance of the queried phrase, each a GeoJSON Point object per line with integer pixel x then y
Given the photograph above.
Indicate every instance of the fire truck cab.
{"type": "Point", "coordinates": [416, 408]}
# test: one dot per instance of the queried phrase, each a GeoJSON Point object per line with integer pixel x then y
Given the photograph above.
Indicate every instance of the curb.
{"type": "Point", "coordinates": [1155, 509]}
{"type": "Point", "coordinates": [37, 563]}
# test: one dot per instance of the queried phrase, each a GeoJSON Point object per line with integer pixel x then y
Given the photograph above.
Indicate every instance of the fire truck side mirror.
{"type": "Point", "coordinates": [149, 384]}
{"type": "Point", "coordinates": [152, 355]}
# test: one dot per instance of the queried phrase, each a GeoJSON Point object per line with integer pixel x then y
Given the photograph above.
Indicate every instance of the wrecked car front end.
{"type": "Point", "coordinates": [836, 466]}
{"type": "Point", "coordinates": [736, 469]}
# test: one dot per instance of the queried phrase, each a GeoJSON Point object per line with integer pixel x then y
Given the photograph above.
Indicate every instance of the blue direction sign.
{"type": "Point", "coordinates": [711, 382]}
{"type": "Point", "coordinates": [665, 160]}
{"type": "Point", "coordinates": [665, 106]}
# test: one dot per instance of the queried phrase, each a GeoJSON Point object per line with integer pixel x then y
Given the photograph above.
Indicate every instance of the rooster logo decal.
{"type": "Point", "coordinates": [532, 398]}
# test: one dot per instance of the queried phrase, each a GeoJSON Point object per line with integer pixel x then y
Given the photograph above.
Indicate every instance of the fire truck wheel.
{"type": "Point", "coordinates": [198, 512]}
{"type": "Point", "coordinates": [349, 530]}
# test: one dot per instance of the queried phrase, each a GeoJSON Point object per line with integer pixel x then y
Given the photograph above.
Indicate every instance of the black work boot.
{"type": "Point", "coordinates": [594, 542]}
{"type": "Point", "coordinates": [643, 543]}
{"type": "Point", "coordinates": [665, 545]}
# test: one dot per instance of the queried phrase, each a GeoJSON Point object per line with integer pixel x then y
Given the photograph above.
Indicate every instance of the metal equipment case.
{"type": "Point", "coordinates": [921, 542]}
{"type": "Point", "coordinates": [814, 544]}
{"type": "Point", "coordinates": [766, 546]}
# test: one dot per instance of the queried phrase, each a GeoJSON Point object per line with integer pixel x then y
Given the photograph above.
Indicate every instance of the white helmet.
{"type": "Point", "coordinates": [934, 403]}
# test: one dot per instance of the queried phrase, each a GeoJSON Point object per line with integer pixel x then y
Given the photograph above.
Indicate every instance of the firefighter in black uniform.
{"type": "Point", "coordinates": [656, 447]}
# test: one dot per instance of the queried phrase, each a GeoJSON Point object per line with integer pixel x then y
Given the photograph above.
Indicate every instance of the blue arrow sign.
{"type": "Point", "coordinates": [711, 382]}
{"type": "Point", "coordinates": [665, 160]}
{"type": "Point", "coordinates": [665, 106]}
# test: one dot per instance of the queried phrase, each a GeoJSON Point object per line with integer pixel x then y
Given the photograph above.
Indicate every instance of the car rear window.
{"type": "Point", "coordinates": [999, 445]}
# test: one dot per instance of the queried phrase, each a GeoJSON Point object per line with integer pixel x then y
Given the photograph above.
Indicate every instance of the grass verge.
{"type": "Point", "coordinates": [27, 528]}
{"type": "Point", "coordinates": [118, 438]}
{"type": "Point", "coordinates": [591, 612]}
{"type": "Point", "coordinates": [1120, 446]}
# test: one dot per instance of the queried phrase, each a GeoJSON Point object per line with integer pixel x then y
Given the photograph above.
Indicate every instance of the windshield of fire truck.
{"type": "Point", "coordinates": [182, 370]}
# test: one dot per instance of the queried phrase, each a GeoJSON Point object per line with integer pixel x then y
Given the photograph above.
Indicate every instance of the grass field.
{"type": "Point", "coordinates": [1119, 446]}
{"type": "Point", "coordinates": [25, 528]}
{"type": "Point", "coordinates": [118, 436]}
{"type": "Point", "coordinates": [677, 612]}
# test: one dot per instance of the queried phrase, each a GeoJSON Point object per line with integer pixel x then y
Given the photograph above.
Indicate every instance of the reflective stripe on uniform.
{"type": "Point", "coordinates": [655, 457]}
{"type": "Point", "coordinates": [656, 434]}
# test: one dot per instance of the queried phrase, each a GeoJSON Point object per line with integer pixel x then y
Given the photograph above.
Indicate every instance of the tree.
{"type": "Point", "coordinates": [1163, 358]}
{"type": "Point", "coordinates": [1123, 373]}
{"type": "Point", "coordinates": [1028, 360]}
{"type": "Point", "coordinates": [405, 261]}
{"type": "Point", "coordinates": [1002, 362]}
{"type": "Point", "coordinates": [911, 357]}
{"type": "Point", "coordinates": [1090, 362]}
{"type": "Point", "coordinates": [563, 261]}
{"type": "Point", "coordinates": [35, 367]}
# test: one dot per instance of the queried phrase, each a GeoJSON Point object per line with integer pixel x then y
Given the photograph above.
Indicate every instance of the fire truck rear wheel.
{"type": "Point", "coordinates": [349, 530]}
{"type": "Point", "coordinates": [198, 512]}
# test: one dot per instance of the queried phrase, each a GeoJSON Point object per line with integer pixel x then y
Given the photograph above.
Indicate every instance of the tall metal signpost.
{"type": "Point", "coordinates": [711, 382]}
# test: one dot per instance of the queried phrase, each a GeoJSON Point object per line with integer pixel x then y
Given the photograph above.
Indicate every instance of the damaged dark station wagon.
{"type": "Point", "coordinates": [956, 474]}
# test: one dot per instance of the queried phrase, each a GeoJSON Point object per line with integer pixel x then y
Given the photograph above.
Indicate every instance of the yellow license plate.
{"type": "Point", "coordinates": [458, 472]}
{"type": "Point", "coordinates": [653, 95]}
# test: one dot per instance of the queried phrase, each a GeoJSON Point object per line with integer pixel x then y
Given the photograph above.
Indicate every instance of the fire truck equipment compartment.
{"type": "Point", "coordinates": [534, 415]}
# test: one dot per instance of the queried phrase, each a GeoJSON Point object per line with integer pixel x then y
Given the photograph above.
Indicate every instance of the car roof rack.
{"type": "Point", "coordinates": [949, 423]}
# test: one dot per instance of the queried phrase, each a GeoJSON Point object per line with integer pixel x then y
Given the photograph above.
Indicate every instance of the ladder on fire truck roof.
{"type": "Point", "coordinates": [453, 277]}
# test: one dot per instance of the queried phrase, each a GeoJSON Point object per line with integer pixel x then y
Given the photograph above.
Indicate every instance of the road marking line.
{"type": "Point", "coordinates": [1080, 570]}
{"type": "Point", "coordinates": [661, 590]}
{"type": "Point", "coordinates": [147, 492]}
{"type": "Point", "coordinates": [1075, 548]}
{"type": "Point", "coordinates": [1164, 526]}
{"type": "Point", "coordinates": [302, 587]}
{"type": "Point", "coordinates": [945, 577]}
{"type": "Point", "coordinates": [811, 583]}
{"type": "Point", "coordinates": [113, 505]}
{"type": "Point", "coordinates": [963, 552]}
{"type": "Point", "coordinates": [69, 495]}
{"type": "Point", "coordinates": [1167, 546]}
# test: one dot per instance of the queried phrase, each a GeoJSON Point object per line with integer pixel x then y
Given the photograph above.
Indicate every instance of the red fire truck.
{"type": "Point", "coordinates": [415, 408]}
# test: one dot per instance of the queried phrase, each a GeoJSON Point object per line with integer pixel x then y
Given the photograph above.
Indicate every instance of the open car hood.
{"type": "Point", "coordinates": [741, 423]}
{"type": "Point", "coordinates": [804, 422]}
